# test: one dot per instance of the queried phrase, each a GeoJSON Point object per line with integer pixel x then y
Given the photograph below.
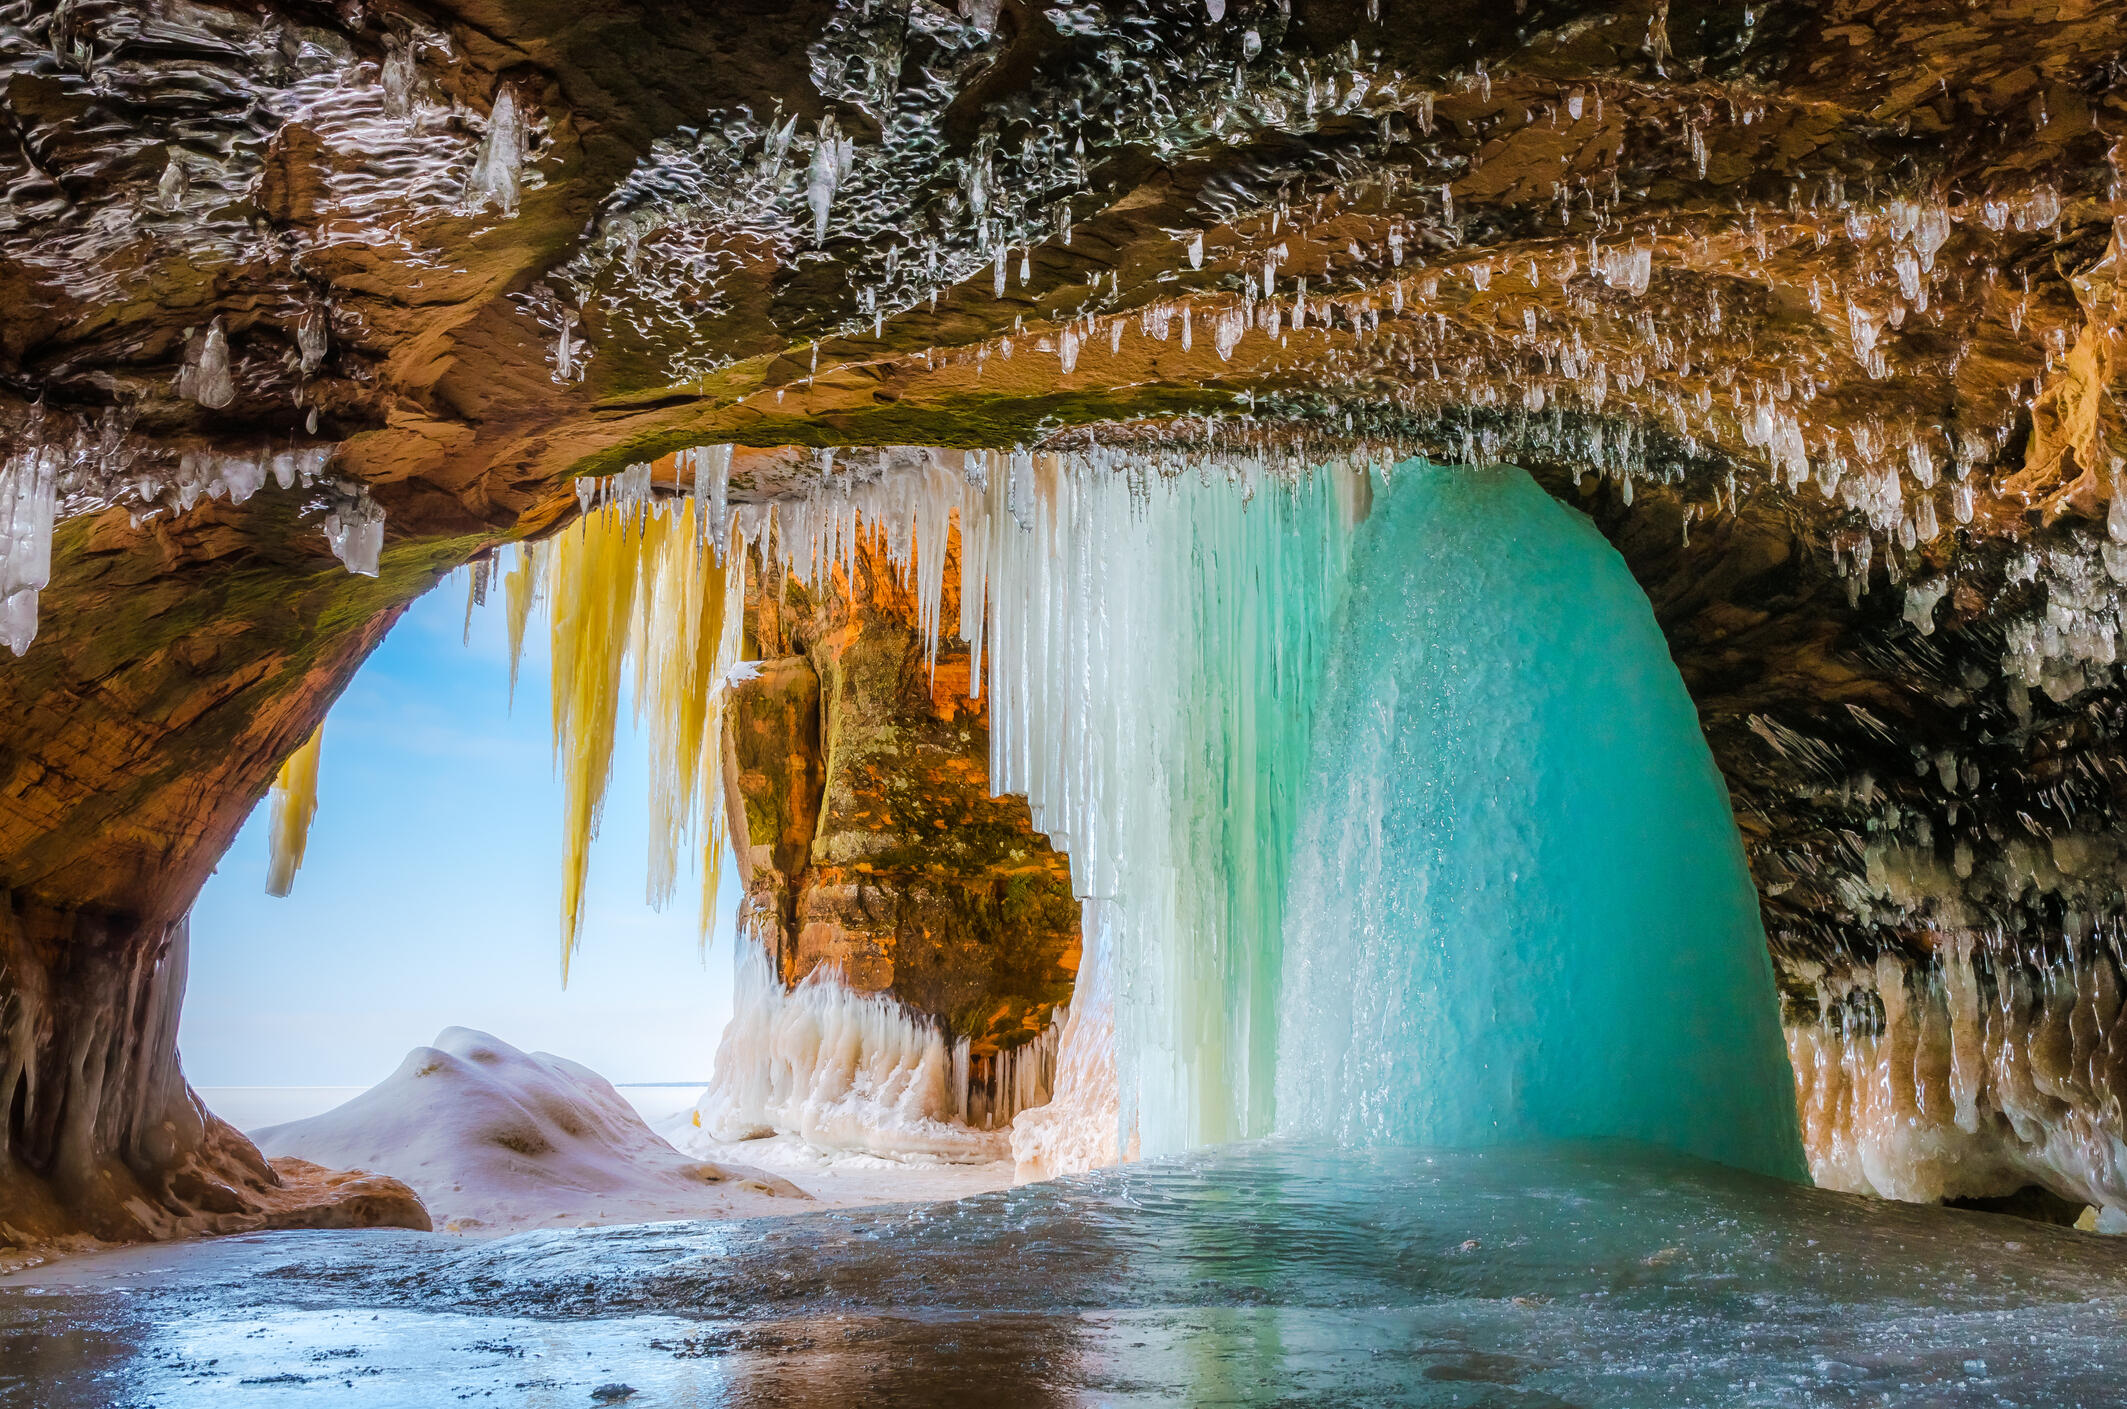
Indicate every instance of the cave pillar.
{"type": "Point", "coordinates": [101, 1134]}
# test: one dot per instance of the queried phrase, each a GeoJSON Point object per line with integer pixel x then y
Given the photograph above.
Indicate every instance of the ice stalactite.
{"type": "Point", "coordinates": [497, 176]}
{"type": "Point", "coordinates": [354, 530]}
{"type": "Point", "coordinates": [1969, 1076]}
{"type": "Point", "coordinates": [1521, 908]}
{"type": "Point", "coordinates": [849, 1071]}
{"type": "Point", "coordinates": [295, 803]}
{"type": "Point", "coordinates": [205, 376]}
{"type": "Point", "coordinates": [28, 508]}
{"type": "Point", "coordinates": [637, 579]}
{"type": "Point", "coordinates": [520, 591]}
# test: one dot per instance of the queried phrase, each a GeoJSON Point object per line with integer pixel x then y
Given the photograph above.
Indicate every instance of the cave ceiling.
{"type": "Point", "coordinates": [1812, 304]}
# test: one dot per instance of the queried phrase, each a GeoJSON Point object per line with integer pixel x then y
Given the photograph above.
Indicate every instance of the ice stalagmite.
{"type": "Point", "coordinates": [1520, 908]}
{"type": "Point", "coordinates": [295, 802]}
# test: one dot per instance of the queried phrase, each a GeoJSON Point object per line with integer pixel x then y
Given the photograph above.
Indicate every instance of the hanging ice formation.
{"type": "Point", "coordinates": [1980, 1072]}
{"type": "Point", "coordinates": [295, 802]}
{"type": "Point", "coordinates": [1513, 827]}
{"type": "Point", "coordinates": [28, 506]}
{"type": "Point", "coordinates": [498, 169]}
{"type": "Point", "coordinates": [520, 590]}
{"type": "Point", "coordinates": [1545, 829]}
{"type": "Point", "coordinates": [639, 581]}
{"type": "Point", "coordinates": [354, 530]}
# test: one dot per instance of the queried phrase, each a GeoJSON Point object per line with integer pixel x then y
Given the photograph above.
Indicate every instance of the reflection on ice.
{"type": "Point", "coordinates": [1587, 1275]}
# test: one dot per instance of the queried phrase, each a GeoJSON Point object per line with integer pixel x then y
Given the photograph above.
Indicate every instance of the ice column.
{"type": "Point", "coordinates": [1520, 907]}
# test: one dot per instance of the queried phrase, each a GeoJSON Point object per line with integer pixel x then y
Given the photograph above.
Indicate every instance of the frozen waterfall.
{"type": "Point", "coordinates": [1392, 818]}
{"type": "Point", "coordinates": [1519, 907]}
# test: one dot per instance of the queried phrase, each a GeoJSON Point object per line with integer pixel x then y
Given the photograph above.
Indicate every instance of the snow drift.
{"type": "Point", "coordinates": [495, 1139]}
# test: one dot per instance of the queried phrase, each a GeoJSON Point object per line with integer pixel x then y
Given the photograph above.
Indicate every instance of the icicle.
{"type": "Point", "coordinates": [206, 377]}
{"type": "Point", "coordinates": [399, 75]}
{"type": "Point", "coordinates": [829, 162]}
{"type": "Point", "coordinates": [594, 584]}
{"type": "Point", "coordinates": [519, 590]}
{"type": "Point", "coordinates": [312, 334]}
{"type": "Point", "coordinates": [28, 506]}
{"type": "Point", "coordinates": [629, 584]}
{"type": "Point", "coordinates": [295, 802]}
{"type": "Point", "coordinates": [355, 531]}
{"type": "Point", "coordinates": [498, 168]}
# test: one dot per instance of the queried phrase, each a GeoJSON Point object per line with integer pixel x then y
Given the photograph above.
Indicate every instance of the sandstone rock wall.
{"type": "Point", "coordinates": [858, 782]}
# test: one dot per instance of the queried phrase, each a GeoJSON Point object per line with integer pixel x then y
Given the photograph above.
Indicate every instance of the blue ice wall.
{"type": "Point", "coordinates": [1519, 907]}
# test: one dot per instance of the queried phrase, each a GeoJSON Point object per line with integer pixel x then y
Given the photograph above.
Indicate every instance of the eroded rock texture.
{"type": "Point", "coordinates": [861, 810]}
{"type": "Point", "coordinates": [103, 1138]}
{"type": "Point", "coordinates": [1818, 300]}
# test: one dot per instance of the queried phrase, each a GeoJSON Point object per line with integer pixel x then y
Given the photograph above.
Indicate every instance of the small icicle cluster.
{"type": "Point", "coordinates": [62, 466]}
{"type": "Point", "coordinates": [354, 528]}
{"type": "Point", "coordinates": [1973, 1075]}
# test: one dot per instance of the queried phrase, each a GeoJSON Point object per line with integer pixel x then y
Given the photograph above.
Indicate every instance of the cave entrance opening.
{"type": "Point", "coordinates": [428, 898]}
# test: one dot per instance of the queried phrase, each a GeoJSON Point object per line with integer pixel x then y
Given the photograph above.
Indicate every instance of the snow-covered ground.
{"type": "Point", "coordinates": [495, 1140]}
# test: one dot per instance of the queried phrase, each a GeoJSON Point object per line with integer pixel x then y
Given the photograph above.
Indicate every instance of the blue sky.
{"type": "Point", "coordinates": [431, 889]}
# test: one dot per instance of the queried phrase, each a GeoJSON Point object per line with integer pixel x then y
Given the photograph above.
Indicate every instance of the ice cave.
{"type": "Point", "coordinates": [1063, 702]}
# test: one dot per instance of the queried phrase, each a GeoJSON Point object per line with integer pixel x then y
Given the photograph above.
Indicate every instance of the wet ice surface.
{"type": "Point", "coordinates": [1258, 1274]}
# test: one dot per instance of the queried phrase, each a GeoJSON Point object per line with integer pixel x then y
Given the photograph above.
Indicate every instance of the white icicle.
{"type": "Point", "coordinates": [27, 509]}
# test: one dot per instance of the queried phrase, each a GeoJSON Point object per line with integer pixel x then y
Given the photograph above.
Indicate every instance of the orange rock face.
{"type": "Point", "coordinates": [858, 787]}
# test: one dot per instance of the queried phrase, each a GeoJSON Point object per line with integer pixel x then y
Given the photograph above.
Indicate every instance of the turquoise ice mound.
{"type": "Point", "coordinates": [1519, 907]}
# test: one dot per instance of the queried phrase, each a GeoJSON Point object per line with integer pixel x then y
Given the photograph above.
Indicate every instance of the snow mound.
{"type": "Point", "coordinates": [494, 1139]}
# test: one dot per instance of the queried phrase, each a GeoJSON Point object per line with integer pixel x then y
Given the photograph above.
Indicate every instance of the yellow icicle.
{"type": "Point", "coordinates": [594, 577]}
{"type": "Point", "coordinates": [640, 582]}
{"type": "Point", "coordinates": [519, 591]}
{"type": "Point", "coordinates": [295, 802]}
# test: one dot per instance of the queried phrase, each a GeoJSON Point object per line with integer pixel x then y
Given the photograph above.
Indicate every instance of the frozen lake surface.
{"type": "Point", "coordinates": [1587, 1276]}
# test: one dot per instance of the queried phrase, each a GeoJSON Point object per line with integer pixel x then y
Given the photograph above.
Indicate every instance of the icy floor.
{"type": "Point", "coordinates": [1586, 1276]}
